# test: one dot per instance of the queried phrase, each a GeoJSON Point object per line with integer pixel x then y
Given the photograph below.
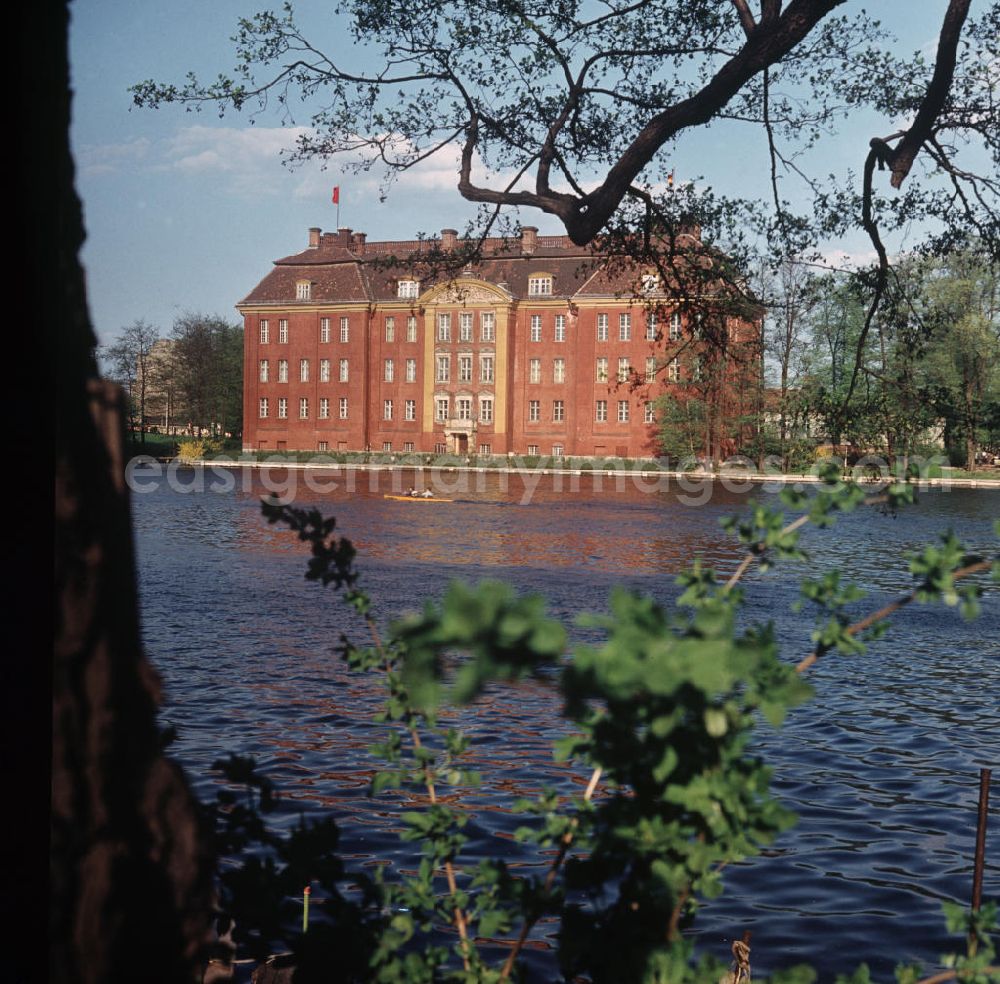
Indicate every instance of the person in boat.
{"type": "Point", "coordinates": [427, 494]}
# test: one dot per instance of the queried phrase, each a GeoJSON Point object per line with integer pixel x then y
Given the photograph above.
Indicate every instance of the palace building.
{"type": "Point", "coordinates": [538, 347]}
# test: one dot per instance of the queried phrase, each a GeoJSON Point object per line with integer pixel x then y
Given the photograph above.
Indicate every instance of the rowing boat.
{"type": "Point", "coordinates": [416, 498]}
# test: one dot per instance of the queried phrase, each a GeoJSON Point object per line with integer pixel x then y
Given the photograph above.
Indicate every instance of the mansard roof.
{"type": "Point", "coordinates": [345, 268]}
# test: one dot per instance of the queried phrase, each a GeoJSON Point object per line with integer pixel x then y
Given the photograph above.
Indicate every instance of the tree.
{"type": "Point", "coordinates": [571, 95]}
{"type": "Point", "coordinates": [133, 367]}
{"type": "Point", "coordinates": [207, 369]}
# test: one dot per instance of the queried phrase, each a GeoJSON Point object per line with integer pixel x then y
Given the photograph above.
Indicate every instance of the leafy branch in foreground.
{"type": "Point", "coordinates": [661, 713]}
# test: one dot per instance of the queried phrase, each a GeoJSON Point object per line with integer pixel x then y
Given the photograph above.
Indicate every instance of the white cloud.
{"type": "Point", "coordinates": [97, 159]}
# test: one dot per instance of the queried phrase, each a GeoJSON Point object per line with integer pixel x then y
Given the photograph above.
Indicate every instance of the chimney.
{"type": "Point", "coordinates": [314, 234]}
{"type": "Point", "coordinates": [529, 239]}
{"type": "Point", "coordinates": [358, 241]}
{"type": "Point", "coordinates": [449, 238]}
{"type": "Point", "coordinates": [328, 239]}
{"type": "Point", "coordinates": [343, 237]}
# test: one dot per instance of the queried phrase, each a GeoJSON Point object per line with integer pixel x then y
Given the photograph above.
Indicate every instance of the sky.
{"type": "Point", "coordinates": [185, 212]}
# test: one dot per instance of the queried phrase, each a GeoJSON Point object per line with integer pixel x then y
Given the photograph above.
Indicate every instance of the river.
{"type": "Point", "coordinates": [881, 767]}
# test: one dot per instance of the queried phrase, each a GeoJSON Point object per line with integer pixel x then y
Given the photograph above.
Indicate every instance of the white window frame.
{"type": "Point", "coordinates": [540, 285]}
{"type": "Point", "coordinates": [601, 411]}
{"type": "Point", "coordinates": [282, 408]}
{"type": "Point", "coordinates": [602, 327]}
{"type": "Point", "coordinates": [651, 326]}
{"type": "Point", "coordinates": [649, 412]}
{"type": "Point", "coordinates": [263, 408]}
{"type": "Point", "coordinates": [624, 369]}
{"type": "Point", "coordinates": [560, 328]}
{"type": "Point", "coordinates": [558, 411]}
{"type": "Point", "coordinates": [303, 370]}
{"type": "Point", "coordinates": [389, 370]}
{"type": "Point", "coordinates": [534, 370]}
{"type": "Point", "coordinates": [411, 370]}
{"type": "Point", "coordinates": [282, 370]}
{"type": "Point", "coordinates": [408, 288]}
{"type": "Point", "coordinates": [444, 326]}
{"type": "Point", "coordinates": [650, 368]}
{"type": "Point", "coordinates": [487, 326]}
{"type": "Point", "coordinates": [303, 290]}
{"type": "Point", "coordinates": [463, 408]}
{"type": "Point", "coordinates": [265, 331]}
{"type": "Point", "coordinates": [324, 408]}
{"type": "Point", "coordinates": [442, 369]}
{"type": "Point", "coordinates": [465, 368]}
{"type": "Point", "coordinates": [324, 329]}
{"type": "Point", "coordinates": [265, 370]}
{"type": "Point", "coordinates": [624, 327]}
{"type": "Point", "coordinates": [390, 329]}
{"type": "Point", "coordinates": [623, 412]}
{"type": "Point", "coordinates": [534, 411]}
{"type": "Point", "coordinates": [343, 408]}
{"type": "Point", "coordinates": [486, 409]}
{"type": "Point", "coordinates": [282, 331]}
{"type": "Point", "coordinates": [535, 333]}
{"type": "Point", "coordinates": [411, 328]}
{"type": "Point", "coordinates": [486, 371]}
{"type": "Point", "coordinates": [675, 326]}
{"type": "Point", "coordinates": [602, 369]}
{"type": "Point", "coordinates": [559, 370]}
{"type": "Point", "coordinates": [465, 326]}
{"type": "Point", "coordinates": [344, 371]}
{"type": "Point", "coordinates": [345, 329]}
{"type": "Point", "coordinates": [387, 409]}
{"type": "Point", "coordinates": [442, 405]}
{"type": "Point", "coordinates": [324, 370]}
{"type": "Point", "coordinates": [410, 410]}
{"type": "Point", "coordinates": [303, 408]}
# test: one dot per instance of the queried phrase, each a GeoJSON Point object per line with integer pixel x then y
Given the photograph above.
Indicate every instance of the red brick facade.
{"type": "Point", "coordinates": [536, 349]}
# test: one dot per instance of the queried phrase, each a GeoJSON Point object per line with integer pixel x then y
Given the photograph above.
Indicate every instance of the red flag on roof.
{"type": "Point", "coordinates": [336, 195]}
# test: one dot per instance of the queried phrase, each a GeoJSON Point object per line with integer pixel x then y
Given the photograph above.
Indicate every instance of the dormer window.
{"type": "Point", "coordinates": [539, 284]}
{"type": "Point", "coordinates": [650, 283]}
{"type": "Point", "coordinates": [408, 288]}
{"type": "Point", "coordinates": [303, 290]}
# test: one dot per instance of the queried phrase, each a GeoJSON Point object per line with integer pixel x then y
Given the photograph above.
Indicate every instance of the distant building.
{"type": "Point", "coordinates": [539, 347]}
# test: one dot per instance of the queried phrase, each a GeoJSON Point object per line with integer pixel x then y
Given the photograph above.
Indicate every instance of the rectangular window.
{"type": "Point", "coordinates": [444, 327]}
{"type": "Point", "coordinates": [387, 445]}
{"type": "Point", "coordinates": [602, 327]}
{"type": "Point", "coordinates": [487, 326]}
{"type": "Point", "coordinates": [650, 369]}
{"type": "Point", "coordinates": [623, 370]}
{"type": "Point", "coordinates": [264, 370]}
{"type": "Point", "coordinates": [408, 288]}
{"type": "Point", "coordinates": [411, 370]}
{"type": "Point", "coordinates": [649, 413]}
{"type": "Point", "coordinates": [263, 406]}
{"type": "Point", "coordinates": [343, 408]}
{"type": "Point", "coordinates": [560, 328]}
{"type": "Point", "coordinates": [601, 409]}
{"type": "Point", "coordinates": [534, 370]}
{"type": "Point", "coordinates": [282, 408]}
{"type": "Point", "coordinates": [463, 407]}
{"type": "Point", "coordinates": [675, 326]}
{"type": "Point", "coordinates": [465, 326]}
{"type": "Point", "coordinates": [539, 285]}
{"type": "Point", "coordinates": [465, 368]}
{"type": "Point", "coordinates": [410, 410]}
{"type": "Point", "coordinates": [282, 331]}
{"type": "Point", "coordinates": [441, 408]}
{"type": "Point", "coordinates": [265, 333]}
{"type": "Point", "coordinates": [536, 327]}
{"type": "Point", "coordinates": [324, 408]}
{"type": "Point", "coordinates": [303, 370]}
{"type": "Point", "coordinates": [390, 370]}
{"type": "Point", "coordinates": [390, 329]}
{"type": "Point", "coordinates": [345, 329]}
{"type": "Point", "coordinates": [558, 411]}
{"type": "Point", "coordinates": [344, 370]}
{"type": "Point", "coordinates": [486, 409]}
{"type": "Point", "coordinates": [534, 410]}
{"type": "Point", "coordinates": [602, 370]}
{"type": "Point", "coordinates": [485, 448]}
{"type": "Point", "coordinates": [558, 370]}
{"type": "Point", "coordinates": [323, 446]}
{"type": "Point", "coordinates": [557, 450]}
{"type": "Point", "coordinates": [411, 328]}
{"type": "Point", "coordinates": [324, 370]}
{"type": "Point", "coordinates": [532, 449]}
{"type": "Point", "coordinates": [622, 411]}
{"type": "Point", "coordinates": [440, 448]}
{"type": "Point", "coordinates": [303, 408]}
{"type": "Point", "coordinates": [282, 370]}
{"type": "Point", "coordinates": [407, 445]}
{"type": "Point", "coordinates": [624, 327]}
{"type": "Point", "coordinates": [486, 368]}
{"type": "Point", "coordinates": [324, 329]}
{"type": "Point", "coordinates": [387, 410]}
{"type": "Point", "coordinates": [674, 370]}
{"type": "Point", "coordinates": [443, 374]}
{"type": "Point", "coordinates": [651, 326]}
{"type": "Point", "coordinates": [303, 290]}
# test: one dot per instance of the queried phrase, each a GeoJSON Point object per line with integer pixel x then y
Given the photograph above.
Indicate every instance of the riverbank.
{"type": "Point", "coordinates": [641, 472]}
